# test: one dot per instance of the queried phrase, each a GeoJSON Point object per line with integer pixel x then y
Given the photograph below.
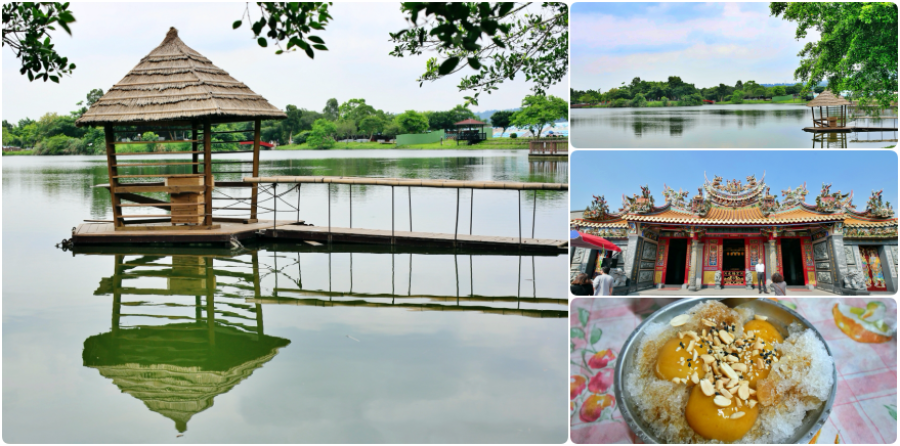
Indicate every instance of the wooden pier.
{"type": "Point", "coordinates": [548, 148]}
{"type": "Point", "coordinates": [103, 233]}
{"type": "Point", "coordinates": [848, 129]}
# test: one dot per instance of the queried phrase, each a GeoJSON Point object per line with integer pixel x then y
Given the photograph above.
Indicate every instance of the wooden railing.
{"type": "Point", "coordinates": [558, 147]}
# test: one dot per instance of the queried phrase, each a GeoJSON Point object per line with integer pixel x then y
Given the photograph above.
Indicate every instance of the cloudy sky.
{"type": "Point", "coordinates": [109, 39]}
{"type": "Point", "coordinates": [704, 43]}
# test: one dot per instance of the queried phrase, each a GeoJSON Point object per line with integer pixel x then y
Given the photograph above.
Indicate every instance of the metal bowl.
{"type": "Point", "coordinates": [780, 316]}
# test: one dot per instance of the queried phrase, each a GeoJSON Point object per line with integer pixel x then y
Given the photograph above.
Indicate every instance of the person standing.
{"type": "Point", "coordinates": [603, 283]}
{"type": "Point", "coordinates": [582, 285]}
{"type": "Point", "coordinates": [761, 277]}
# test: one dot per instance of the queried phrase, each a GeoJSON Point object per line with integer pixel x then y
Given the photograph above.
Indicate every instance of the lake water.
{"type": "Point", "coordinates": [284, 342]}
{"type": "Point", "coordinates": [712, 126]}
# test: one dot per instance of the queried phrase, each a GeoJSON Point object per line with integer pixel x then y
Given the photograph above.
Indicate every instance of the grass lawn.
{"type": "Point", "coordinates": [494, 143]}
{"type": "Point", "coordinates": [758, 101]}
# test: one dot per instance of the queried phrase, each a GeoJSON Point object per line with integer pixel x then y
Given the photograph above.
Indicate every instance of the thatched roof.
{"type": "Point", "coordinates": [827, 99]}
{"type": "Point", "coordinates": [174, 82]}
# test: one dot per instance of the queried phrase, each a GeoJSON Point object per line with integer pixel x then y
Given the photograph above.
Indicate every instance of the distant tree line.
{"type": "Point", "coordinates": [674, 91]}
{"type": "Point", "coordinates": [55, 134]}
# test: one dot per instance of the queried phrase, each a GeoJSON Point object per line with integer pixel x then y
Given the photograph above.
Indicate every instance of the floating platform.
{"type": "Point", "coordinates": [421, 239]}
{"type": "Point", "coordinates": [849, 129]}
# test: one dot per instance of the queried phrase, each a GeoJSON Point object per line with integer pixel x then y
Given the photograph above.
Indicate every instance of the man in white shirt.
{"type": "Point", "coordinates": [603, 283]}
{"type": "Point", "coordinates": [761, 277]}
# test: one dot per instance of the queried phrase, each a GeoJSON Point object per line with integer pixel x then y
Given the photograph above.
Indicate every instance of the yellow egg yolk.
{"type": "Point", "coordinates": [716, 423]}
{"type": "Point", "coordinates": [675, 361]}
{"type": "Point", "coordinates": [766, 332]}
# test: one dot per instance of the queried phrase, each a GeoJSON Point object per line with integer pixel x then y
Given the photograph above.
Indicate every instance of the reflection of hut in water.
{"type": "Point", "coordinates": [177, 369]}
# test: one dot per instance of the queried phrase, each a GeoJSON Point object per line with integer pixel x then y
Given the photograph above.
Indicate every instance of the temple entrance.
{"type": "Point", "coordinates": [676, 263]}
{"type": "Point", "coordinates": [733, 262]}
{"type": "Point", "coordinates": [792, 261]}
{"type": "Point", "coordinates": [871, 264]}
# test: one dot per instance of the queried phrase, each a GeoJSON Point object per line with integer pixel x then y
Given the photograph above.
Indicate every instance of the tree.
{"type": "Point", "coordinates": [411, 121]}
{"type": "Point", "coordinates": [25, 30]}
{"type": "Point", "coordinates": [639, 101]}
{"type": "Point", "coordinates": [499, 40]}
{"type": "Point", "coordinates": [739, 85]}
{"type": "Point", "coordinates": [321, 136]}
{"type": "Point", "coordinates": [345, 128]}
{"type": "Point", "coordinates": [330, 112]}
{"type": "Point", "coordinates": [151, 139]}
{"type": "Point", "coordinates": [371, 125]}
{"type": "Point", "coordinates": [292, 123]}
{"type": "Point", "coordinates": [778, 91]}
{"type": "Point", "coordinates": [737, 97]}
{"type": "Point", "coordinates": [539, 111]}
{"type": "Point", "coordinates": [92, 97]}
{"type": "Point", "coordinates": [502, 119]}
{"type": "Point", "coordinates": [857, 50]}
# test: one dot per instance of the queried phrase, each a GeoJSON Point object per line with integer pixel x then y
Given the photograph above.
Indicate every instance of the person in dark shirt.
{"type": "Point", "coordinates": [582, 285]}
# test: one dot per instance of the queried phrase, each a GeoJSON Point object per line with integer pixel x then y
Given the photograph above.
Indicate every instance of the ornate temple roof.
{"type": "Point", "coordinates": [734, 202]}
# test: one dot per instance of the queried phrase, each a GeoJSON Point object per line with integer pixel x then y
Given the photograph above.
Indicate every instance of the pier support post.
{"type": "Point", "coordinates": [471, 210]}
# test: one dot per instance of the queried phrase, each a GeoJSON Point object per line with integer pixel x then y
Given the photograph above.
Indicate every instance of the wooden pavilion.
{"type": "Point", "coordinates": [174, 91]}
{"type": "Point", "coordinates": [832, 110]}
{"type": "Point", "coordinates": [471, 130]}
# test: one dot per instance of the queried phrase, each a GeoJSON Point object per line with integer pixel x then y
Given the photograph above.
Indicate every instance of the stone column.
{"type": "Point", "coordinates": [632, 256]}
{"type": "Point", "coordinates": [771, 264]}
{"type": "Point", "coordinates": [888, 268]}
{"type": "Point", "coordinates": [695, 273]}
{"type": "Point", "coordinates": [836, 242]}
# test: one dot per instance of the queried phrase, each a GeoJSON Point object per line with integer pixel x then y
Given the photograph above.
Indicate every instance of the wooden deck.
{"type": "Point", "coordinates": [291, 231]}
{"type": "Point", "coordinates": [848, 129]}
{"type": "Point", "coordinates": [422, 239]}
{"type": "Point", "coordinates": [105, 233]}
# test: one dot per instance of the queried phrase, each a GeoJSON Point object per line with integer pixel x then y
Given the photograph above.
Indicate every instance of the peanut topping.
{"type": "Point", "coordinates": [737, 415]}
{"type": "Point", "coordinates": [679, 320]}
{"type": "Point", "coordinates": [707, 387]}
{"type": "Point", "coordinates": [721, 401]}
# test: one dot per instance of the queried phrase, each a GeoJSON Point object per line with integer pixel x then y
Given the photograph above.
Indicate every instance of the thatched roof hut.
{"type": "Point", "coordinates": [174, 82]}
{"type": "Point", "coordinates": [827, 99]}
{"type": "Point", "coordinates": [832, 110]}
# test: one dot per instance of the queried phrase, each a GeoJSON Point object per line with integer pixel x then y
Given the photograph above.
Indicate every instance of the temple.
{"type": "Point", "coordinates": [716, 237]}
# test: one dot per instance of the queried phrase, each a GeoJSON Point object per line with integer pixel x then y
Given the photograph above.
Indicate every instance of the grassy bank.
{"type": "Point", "coordinates": [19, 153]}
{"type": "Point", "coordinates": [494, 143]}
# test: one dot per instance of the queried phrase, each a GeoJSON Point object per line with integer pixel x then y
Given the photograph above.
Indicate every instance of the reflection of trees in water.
{"type": "Point", "coordinates": [548, 168]}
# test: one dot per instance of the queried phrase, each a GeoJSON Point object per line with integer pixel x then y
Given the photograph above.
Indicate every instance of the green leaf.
{"type": "Point", "coordinates": [505, 7]}
{"type": "Point", "coordinates": [320, 47]}
{"type": "Point", "coordinates": [309, 52]}
{"type": "Point", "coordinates": [576, 332]}
{"type": "Point", "coordinates": [596, 334]}
{"type": "Point", "coordinates": [236, 24]}
{"type": "Point", "coordinates": [262, 42]}
{"type": "Point", "coordinates": [315, 39]}
{"type": "Point", "coordinates": [583, 316]}
{"type": "Point", "coordinates": [54, 79]}
{"type": "Point", "coordinates": [474, 63]}
{"type": "Point", "coordinates": [448, 65]}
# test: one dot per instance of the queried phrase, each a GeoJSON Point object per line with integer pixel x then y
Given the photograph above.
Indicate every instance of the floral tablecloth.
{"type": "Point", "coordinates": [865, 405]}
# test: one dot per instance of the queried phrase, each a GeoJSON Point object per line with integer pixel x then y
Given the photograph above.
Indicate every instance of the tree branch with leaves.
{"type": "Point", "coordinates": [26, 29]}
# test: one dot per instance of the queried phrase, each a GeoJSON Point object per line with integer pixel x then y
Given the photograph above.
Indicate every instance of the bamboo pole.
{"type": "Point", "coordinates": [448, 184]}
{"type": "Point", "coordinates": [254, 193]}
{"type": "Point", "coordinates": [207, 171]}
{"type": "Point", "coordinates": [195, 158]}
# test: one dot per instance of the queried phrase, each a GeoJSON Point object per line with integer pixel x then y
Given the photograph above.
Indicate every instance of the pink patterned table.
{"type": "Point", "coordinates": [865, 406]}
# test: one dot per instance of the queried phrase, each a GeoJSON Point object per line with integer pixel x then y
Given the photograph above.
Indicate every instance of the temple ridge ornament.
{"type": "Point", "coordinates": [675, 199]}
{"type": "Point", "coordinates": [638, 204]}
{"type": "Point", "coordinates": [793, 197]}
{"type": "Point", "coordinates": [878, 209]}
{"type": "Point", "coordinates": [768, 203]}
{"type": "Point", "coordinates": [833, 202]}
{"type": "Point", "coordinates": [598, 209]}
{"type": "Point", "coordinates": [699, 205]}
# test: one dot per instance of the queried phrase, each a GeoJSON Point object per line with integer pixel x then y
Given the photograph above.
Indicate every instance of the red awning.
{"type": "Point", "coordinates": [262, 143]}
{"type": "Point", "coordinates": [581, 240]}
{"type": "Point", "coordinates": [470, 121]}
